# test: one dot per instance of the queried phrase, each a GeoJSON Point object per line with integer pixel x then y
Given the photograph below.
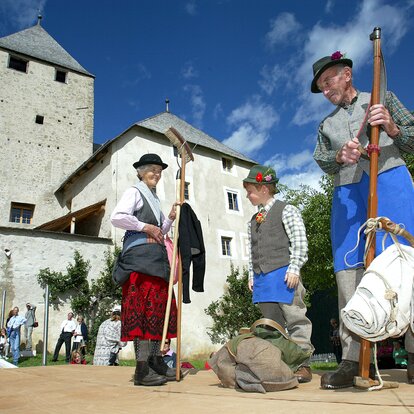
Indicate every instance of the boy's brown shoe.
{"type": "Point", "coordinates": [303, 374]}
{"type": "Point", "coordinates": [410, 368]}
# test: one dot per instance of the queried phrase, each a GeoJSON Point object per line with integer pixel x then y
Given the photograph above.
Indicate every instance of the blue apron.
{"type": "Point", "coordinates": [349, 212]}
{"type": "Point", "coordinates": [271, 287]}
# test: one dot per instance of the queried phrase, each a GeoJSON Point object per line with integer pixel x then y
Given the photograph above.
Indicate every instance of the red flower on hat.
{"type": "Point", "coordinates": [337, 55]}
{"type": "Point", "coordinates": [259, 177]}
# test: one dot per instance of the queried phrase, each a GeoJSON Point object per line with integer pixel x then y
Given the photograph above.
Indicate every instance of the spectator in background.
{"type": "Point", "coordinates": [28, 327]}
{"type": "Point", "coordinates": [4, 344]}
{"type": "Point", "coordinates": [400, 355]}
{"type": "Point", "coordinates": [168, 355]}
{"type": "Point", "coordinates": [67, 328]}
{"type": "Point", "coordinates": [77, 358]}
{"type": "Point", "coordinates": [13, 325]}
{"type": "Point", "coordinates": [335, 340]}
{"type": "Point", "coordinates": [108, 340]}
{"type": "Point", "coordinates": [80, 336]}
{"type": "Point", "coordinates": [385, 354]}
{"type": "Point", "coordinates": [9, 316]}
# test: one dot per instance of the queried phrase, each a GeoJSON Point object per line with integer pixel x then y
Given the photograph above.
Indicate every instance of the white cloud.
{"type": "Point", "coordinates": [246, 139]}
{"type": "Point", "coordinates": [271, 77]}
{"type": "Point", "coordinates": [188, 71]}
{"type": "Point", "coordinates": [140, 72]}
{"type": "Point", "coordinates": [218, 111]}
{"type": "Point", "coordinates": [329, 6]}
{"type": "Point", "coordinates": [296, 169]}
{"type": "Point", "coordinates": [352, 38]}
{"type": "Point", "coordinates": [197, 102]}
{"type": "Point", "coordinates": [282, 29]}
{"type": "Point", "coordinates": [21, 14]}
{"type": "Point", "coordinates": [252, 122]}
{"type": "Point", "coordinates": [191, 8]}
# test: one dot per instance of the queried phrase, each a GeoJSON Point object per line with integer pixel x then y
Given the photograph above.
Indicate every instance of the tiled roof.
{"type": "Point", "coordinates": [161, 122]}
{"type": "Point", "coordinates": [35, 42]}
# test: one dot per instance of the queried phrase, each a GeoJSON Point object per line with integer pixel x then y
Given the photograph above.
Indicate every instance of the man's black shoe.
{"type": "Point", "coordinates": [343, 377]}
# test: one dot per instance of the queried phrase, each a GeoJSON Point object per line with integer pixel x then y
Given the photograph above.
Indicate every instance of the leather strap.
{"type": "Point", "coordinates": [271, 323]}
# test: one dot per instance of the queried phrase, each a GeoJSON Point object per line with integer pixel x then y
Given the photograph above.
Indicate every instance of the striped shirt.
{"type": "Point", "coordinates": [325, 156]}
{"type": "Point", "coordinates": [296, 232]}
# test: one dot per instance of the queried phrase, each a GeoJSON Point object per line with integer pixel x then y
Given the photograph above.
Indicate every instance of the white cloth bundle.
{"type": "Point", "coordinates": [381, 306]}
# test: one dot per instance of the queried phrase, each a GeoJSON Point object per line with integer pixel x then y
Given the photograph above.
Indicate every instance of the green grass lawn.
{"type": "Point", "coordinates": [198, 364]}
{"type": "Point", "coordinates": [36, 361]}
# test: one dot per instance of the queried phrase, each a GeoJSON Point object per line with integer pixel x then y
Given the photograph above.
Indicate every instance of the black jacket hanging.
{"type": "Point", "coordinates": [192, 249]}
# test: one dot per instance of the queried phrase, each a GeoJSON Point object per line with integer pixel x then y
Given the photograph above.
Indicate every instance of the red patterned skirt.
{"type": "Point", "coordinates": [144, 300]}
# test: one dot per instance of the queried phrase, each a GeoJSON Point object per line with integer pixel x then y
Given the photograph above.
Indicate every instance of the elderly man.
{"type": "Point", "coordinates": [341, 137]}
{"type": "Point", "coordinates": [30, 321]}
{"type": "Point", "coordinates": [67, 328]}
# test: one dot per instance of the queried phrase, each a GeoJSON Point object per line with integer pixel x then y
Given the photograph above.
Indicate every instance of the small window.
{"type": "Point", "coordinates": [226, 246]}
{"type": "Point", "coordinates": [233, 201]}
{"type": "Point", "coordinates": [186, 191]}
{"type": "Point", "coordinates": [227, 164]}
{"type": "Point", "coordinates": [21, 213]}
{"type": "Point", "coordinates": [245, 247]}
{"type": "Point", "coordinates": [39, 119]}
{"type": "Point", "coordinates": [175, 150]}
{"type": "Point", "coordinates": [18, 64]}
{"type": "Point", "coordinates": [60, 76]}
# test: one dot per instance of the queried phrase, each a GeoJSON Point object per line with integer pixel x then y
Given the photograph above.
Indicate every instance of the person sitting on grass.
{"type": "Point", "coordinates": [77, 358]}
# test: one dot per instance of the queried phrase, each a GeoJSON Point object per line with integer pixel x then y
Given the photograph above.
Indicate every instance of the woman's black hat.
{"type": "Point", "coordinates": [148, 159]}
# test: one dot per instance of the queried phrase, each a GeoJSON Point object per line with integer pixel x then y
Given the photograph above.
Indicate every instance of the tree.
{"type": "Point", "coordinates": [233, 310]}
{"type": "Point", "coordinates": [93, 300]}
{"type": "Point", "coordinates": [105, 293]}
{"type": "Point", "coordinates": [315, 206]}
{"type": "Point", "coordinates": [73, 284]}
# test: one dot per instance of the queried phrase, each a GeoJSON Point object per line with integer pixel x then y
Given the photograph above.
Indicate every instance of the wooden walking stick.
{"type": "Point", "coordinates": [373, 150]}
{"type": "Point", "coordinates": [186, 156]}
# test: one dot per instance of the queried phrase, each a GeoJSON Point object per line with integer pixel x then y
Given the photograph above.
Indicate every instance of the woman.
{"type": "Point", "coordinates": [80, 336]}
{"type": "Point", "coordinates": [144, 261]}
{"type": "Point", "coordinates": [4, 344]}
{"type": "Point", "coordinates": [108, 340]}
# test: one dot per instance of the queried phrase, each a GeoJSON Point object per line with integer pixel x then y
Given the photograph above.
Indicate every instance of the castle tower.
{"type": "Point", "coordinates": [46, 124]}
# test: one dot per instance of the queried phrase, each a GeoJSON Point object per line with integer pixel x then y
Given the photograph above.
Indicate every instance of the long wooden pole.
{"type": "Point", "coordinates": [180, 199]}
{"type": "Point", "coordinates": [180, 286]}
{"type": "Point", "coordinates": [365, 351]}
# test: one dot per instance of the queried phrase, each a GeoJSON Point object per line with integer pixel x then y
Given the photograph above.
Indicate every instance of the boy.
{"type": "Point", "coordinates": [278, 250]}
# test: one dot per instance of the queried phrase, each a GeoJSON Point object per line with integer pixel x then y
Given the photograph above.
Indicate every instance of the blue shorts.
{"type": "Point", "coordinates": [349, 212]}
{"type": "Point", "coordinates": [271, 287]}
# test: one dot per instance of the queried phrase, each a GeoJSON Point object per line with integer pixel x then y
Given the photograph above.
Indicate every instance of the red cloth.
{"type": "Point", "coordinates": [144, 301]}
{"type": "Point", "coordinates": [187, 365]}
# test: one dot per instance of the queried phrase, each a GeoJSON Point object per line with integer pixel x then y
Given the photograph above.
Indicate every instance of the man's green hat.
{"type": "Point", "coordinates": [326, 62]}
{"type": "Point", "coordinates": [261, 174]}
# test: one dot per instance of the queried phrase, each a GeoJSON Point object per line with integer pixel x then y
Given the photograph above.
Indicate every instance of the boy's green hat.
{"type": "Point", "coordinates": [260, 174]}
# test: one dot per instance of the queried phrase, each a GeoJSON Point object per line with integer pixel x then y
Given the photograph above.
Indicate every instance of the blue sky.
{"type": "Point", "coordinates": [240, 70]}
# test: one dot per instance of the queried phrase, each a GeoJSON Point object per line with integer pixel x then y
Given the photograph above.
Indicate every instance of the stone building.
{"type": "Point", "coordinates": [68, 191]}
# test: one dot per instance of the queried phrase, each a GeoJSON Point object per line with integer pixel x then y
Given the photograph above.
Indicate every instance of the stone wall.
{"type": "Point", "coordinates": [34, 250]}
{"type": "Point", "coordinates": [35, 158]}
